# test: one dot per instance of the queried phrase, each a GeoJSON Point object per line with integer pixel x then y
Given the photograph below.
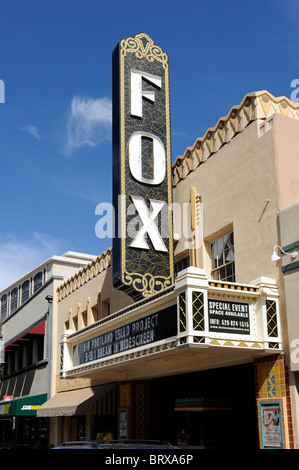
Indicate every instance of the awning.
{"type": "Point", "coordinates": [37, 329]}
{"type": "Point", "coordinates": [74, 402]}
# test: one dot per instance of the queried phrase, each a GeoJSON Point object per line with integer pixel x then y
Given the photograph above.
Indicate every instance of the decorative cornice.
{"type": "Point", "coordinates": [144, 47]}
{"type": "Point", "coordinates": [93, 269]}
{"type": "Point", "coordinates": [258, 105]}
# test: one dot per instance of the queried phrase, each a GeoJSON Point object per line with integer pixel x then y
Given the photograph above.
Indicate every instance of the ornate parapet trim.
{"type": "Point", "coordinates": [144, 47]}
{"type": "Point", "coordinates": [255, 106]}
{"type": "Point", "coordinates": [96, 267]}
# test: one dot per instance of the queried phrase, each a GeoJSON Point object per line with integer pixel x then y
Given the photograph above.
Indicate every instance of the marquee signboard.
{"type": "Point", "coordinates": [229, 317]}
{"type": "Point", "coordinates": [141, 332]}
{"type": "Point", "coordinates": [142, 191]}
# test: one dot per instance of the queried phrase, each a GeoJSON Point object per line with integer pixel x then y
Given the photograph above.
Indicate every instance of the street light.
{"type": "Point", "coordinates": [275, 257]}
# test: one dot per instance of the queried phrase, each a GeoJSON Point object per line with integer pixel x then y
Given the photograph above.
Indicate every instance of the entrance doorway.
{"type": "Point", "coordinates": [207, 409]}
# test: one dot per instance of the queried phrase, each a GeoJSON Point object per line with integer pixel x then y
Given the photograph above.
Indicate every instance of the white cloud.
{"type": "Point", "coordinates": [19, 256]}
{"type": "Point", "coordinates": [89, 122]}
{"type": "Point", "coordinates": [32, 130]}
{"type": "Point", "coordinates": [179, 134]}
{"type": "Point", "coordinates": [289, 10]}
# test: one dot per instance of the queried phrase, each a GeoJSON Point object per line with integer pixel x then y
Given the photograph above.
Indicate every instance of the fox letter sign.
{"type": "Point", "coordinates": [142, 191]}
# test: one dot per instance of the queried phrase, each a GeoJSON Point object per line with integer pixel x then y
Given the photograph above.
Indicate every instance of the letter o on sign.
{"type": "Point", "coordinates": [135, 158]}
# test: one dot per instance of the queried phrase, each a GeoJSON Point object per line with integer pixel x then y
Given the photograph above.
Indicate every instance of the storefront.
{"type": "Point", "coordinates": [188, 318]}
{"type": "Point", "coordinates": [186, 362]}
{"type": "Point", "coordinates": [19, 425]}
{"type": "Point", "coordinates": [207, 409]}
{"type": "Point", "coordinates": [81, 414]}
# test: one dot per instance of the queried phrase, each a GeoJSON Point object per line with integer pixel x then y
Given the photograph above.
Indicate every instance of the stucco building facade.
{"type": "Point", "coordinates": [28, 316]}
{"type": "Point", "coordinates": [215, 351]}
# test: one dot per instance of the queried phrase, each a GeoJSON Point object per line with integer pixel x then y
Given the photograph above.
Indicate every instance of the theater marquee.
{"type": "Point", "coordinates": [229, 317]}
{"type": "Point", "coordinates": [144, 331]}
{"type": "Point", "coordinates": [142, 191]}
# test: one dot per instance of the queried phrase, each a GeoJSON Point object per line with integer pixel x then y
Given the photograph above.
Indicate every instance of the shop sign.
{"type": "Point", "coordinates": [141, 332]}
{"type": "Point", "coordinates": [272, 436]}
{"type": "Point", "coordinates": [229, 317]}
{"type": "Point", "coordinates": [4, 409]}
{"type": "Point", "coordinates": [142, 191]}
{"type": "Point", "coordinates": [23, 406]}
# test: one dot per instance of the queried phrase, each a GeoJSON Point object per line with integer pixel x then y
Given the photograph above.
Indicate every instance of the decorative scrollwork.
{"type": "Point", "coordinates": [147, 284]}
{"type": "Point", "coordinates": [143, 46]}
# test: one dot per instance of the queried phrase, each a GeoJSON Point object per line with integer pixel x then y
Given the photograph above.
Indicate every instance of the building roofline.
{"type": "Point", "coordinates": [70, 257]}
{"type": "Point", "coordinates": [257, 105]}
{"type": "Point", "coordinates": [85, 274]}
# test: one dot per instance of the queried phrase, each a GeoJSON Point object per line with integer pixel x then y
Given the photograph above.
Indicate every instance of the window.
{"type": "Point", "coordinates": [182, 264]}
{"type": "Point", "coordinates": [95, 314]}
{"type": "Point", "coordinates": [3, 307]}
{"type": "Point", "coordinates": [25, 291]}
{"type": "Point", "coordinates": [223, 258]}
{"type": "Point", "coordinates": [14, 300]}
{"type": "Point", "coordinates": [106, 308]}
{"type": "Point", "coordinates": [38, 281]}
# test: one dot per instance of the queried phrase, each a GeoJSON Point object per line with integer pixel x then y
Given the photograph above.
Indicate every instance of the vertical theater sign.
{"type": "Point", "coordinates": [142, 191]}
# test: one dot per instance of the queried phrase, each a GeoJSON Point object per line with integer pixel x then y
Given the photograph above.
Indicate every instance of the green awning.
{"type": "Point", "coordinates": [23, 406]}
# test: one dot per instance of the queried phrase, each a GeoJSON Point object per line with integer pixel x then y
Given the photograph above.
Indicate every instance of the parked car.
{"type": "Point", "coordinates": [116, 444]}
{"type": "Point", "coordinates": [135, 444]}
{"type": "Point", "coordinates": [77, 445]}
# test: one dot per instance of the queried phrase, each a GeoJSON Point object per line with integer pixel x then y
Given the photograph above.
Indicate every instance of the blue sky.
{"type": "Point", "coordinates": [55, 123]}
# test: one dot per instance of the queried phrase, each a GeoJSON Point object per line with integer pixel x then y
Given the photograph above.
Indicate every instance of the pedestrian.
{"type": "Point", "coordinates": [108, 436]}
{"type": "Point", "coordinates": [100, 434]}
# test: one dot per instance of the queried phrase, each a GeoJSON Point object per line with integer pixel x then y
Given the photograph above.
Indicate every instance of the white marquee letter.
{"type": "Point", "coordinates": [135, 158]}
{"type": "Point", "coordinates": [149, 226]}
{"type": "Point", "coordinates": [137, 93]}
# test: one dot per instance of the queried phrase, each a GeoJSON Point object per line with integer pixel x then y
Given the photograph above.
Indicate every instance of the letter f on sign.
{"type": "Point", "coordinates": [137, 93]}
{"type": "Point", "coordinates": [149, 226]}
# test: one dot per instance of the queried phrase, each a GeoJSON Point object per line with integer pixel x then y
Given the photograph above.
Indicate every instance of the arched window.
{"type": "Point", "coordinates": [3, 307]}
{"type": "Point", "coordinates": [14, 300]}
{"type": "Point", "coordinates": [38, 281]}
{"type": "Point", "coordinates": [25, 291]}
